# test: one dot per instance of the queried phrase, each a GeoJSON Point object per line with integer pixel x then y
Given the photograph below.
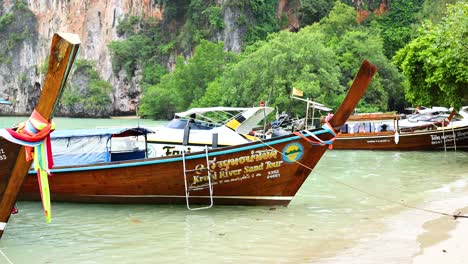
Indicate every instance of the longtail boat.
{"type": "Point", "coordinates": [268, 172]}
{"type": "Point", "coordinates": [383, 132]}
{"type": "Point", "coordinates": [13, 163]}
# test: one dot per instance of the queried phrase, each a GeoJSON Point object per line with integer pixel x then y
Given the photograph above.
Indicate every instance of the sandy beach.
{"type": "Point", "coordinates": [453, 242]}
{"type": "Point", "coordinates": [416, 236]}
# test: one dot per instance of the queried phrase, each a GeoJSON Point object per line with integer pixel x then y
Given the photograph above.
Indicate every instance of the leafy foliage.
{"type": "Point", "coordinates": [263, 20]}
{"type": "Point", "coordinates": [268, 70]}
{"type": "Point", "coordinates": [396, 25]}
{"type": "Point", "coordinates": [276, 66]}
{"type": "Point", "coordinates": [274, 62]}
{"type": "Point", "coordinates": [436, 63]}
{"type": "Point", "coordinates": [151, 42]}
{"type": "Point", "coordinates": [353, 43]}
{"type": "Point", "coordinates": [91, 94]}
{"type": "Point", "coordinates": [16, 26]}
{"type": "Point", "coordinates": [187, 83]}
{"type": "Point", "coordinates": [311, 11]}
{"type": "Point", "coordinates": [435, 10]}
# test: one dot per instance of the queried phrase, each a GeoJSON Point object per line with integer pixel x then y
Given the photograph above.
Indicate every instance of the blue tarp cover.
{"type": "Point", "coordinates": [108, 132]}
{"type": "Point", "coordinates": [87, 146]}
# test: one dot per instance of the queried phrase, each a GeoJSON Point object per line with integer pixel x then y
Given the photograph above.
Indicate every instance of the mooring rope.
{"type": "Point", "coordinates": [5, 256]}
{"type": "Point", "coordinates": [455, 216]}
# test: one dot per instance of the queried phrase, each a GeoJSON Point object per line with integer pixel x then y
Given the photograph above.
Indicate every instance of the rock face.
{"type": "Point", "coordinates": [27, 29]}
{"type": "Point", "coordinates": [231, 34]}
{"type": "Point", "coordinates": [95, 21]}
{"type": "Point", "coordinates": [19, 79]}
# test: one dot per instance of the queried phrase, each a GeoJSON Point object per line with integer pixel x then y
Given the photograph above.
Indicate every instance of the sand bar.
{"type": "Point", "coordinates": [416, 236]}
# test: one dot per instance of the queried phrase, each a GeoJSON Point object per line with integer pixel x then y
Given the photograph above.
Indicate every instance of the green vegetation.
{"type": "Point", "coordinates": [91, 93]}
{"type": "Point", "coordinates": [436, 63]}
{"type": "Point", "coordinates": [396, 25]}
{"type": "Point", "coordinates": [188, 83]}
{"type": "Point", "coordinates": [263, 20]}
{"type": "Point", "coordinates": [43, 67]}
{"type": "Point", "coordinates": [321, 59]}
{"type": "Point", "coordinates": [22, 77]}
{"type": "Point", "coordinates": [150, 41]}
{"type": "Point", "coordinates": [15, 28]}
{"type": "Point", "coordinates": [434, 11]}
{"type": "Point", "coordinates": [6, 20]}
{"type": "Point", "coordinates": [311, 11]}
{"type": "Point", "coordinates": [268, 70]}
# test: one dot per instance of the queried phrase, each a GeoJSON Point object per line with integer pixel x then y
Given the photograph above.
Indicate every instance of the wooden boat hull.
{"type": "Point", "coordinates": [419, 140]}
{"type": "Point", "coordinates": [267, 173]}
{"type": "Point", "coordinates": [8, 154]}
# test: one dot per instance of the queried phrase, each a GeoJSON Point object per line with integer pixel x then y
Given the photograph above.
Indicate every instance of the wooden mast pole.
{"type": "Point", "coordinates": [359, 86]}
{"type": "Point", "coordinates": [63, 51]}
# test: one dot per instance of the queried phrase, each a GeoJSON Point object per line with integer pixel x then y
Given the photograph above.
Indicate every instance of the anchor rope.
{"type": "Point", "coordinates": [5, 256]}
{"type": "Point", "coordinates": [455, 216]}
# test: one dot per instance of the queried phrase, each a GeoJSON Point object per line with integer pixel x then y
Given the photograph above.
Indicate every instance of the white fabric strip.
{"type": "Point", "coordinates": [7, 136]}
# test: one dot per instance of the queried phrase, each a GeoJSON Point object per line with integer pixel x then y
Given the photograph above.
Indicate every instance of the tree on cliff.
{"type": "Point", "coordinates": [320, 60]}
{"type": "Point", "coordinates": [436, 63]}
{"type": "Point", "coordinates": [187, 83]}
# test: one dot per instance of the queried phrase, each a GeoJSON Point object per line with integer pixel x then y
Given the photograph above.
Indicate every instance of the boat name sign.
{"type": "Point", "coordinates": [240, 168]}
{"type": "Point", "coordinates": [437, 139]}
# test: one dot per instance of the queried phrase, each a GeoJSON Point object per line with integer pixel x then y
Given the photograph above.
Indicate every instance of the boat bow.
{"type": "Point", "coordinates": [64, 49]}
{"type": "Point", "coordinates": [356, 91]}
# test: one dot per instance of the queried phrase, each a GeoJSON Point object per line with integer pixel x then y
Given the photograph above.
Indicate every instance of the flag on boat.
{"type": "Point", "coordinates": [297, 92]}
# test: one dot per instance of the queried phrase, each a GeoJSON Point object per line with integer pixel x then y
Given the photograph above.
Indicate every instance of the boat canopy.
{"type": "Point", "coordinates": [204, 110]}
{"type": "Point", "coordinates": [373, 117]}
{"type": "Point", "coordinates": [240, 119]}
{"type": "Point", "coordinates": [103, 132]}
{"type": "Point", "coordinates": [90, 146]}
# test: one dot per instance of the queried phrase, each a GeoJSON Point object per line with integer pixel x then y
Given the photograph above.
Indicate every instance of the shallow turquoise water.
{"type": "Point", "coordinates": [76, 123]}
{"type": "Point", "coordinates": [335, 208]}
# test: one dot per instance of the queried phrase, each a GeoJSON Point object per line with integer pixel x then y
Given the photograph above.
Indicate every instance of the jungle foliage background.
{"type": "Point", "coordinates": [419, 47]}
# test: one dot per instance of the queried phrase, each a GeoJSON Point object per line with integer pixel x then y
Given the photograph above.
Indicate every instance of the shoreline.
{"type": "Point", "coordinates": [125, 117]}
{"type": "Point", "coordinates": [416, 236]}
{"type": "Point", "coordinates": [451, 249]}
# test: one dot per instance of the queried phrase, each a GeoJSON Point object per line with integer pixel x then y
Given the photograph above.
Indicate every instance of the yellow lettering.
{"type": "Point", "coordinates": [274, 164]}
{"type": "Point", "coordinates": [248, 169]}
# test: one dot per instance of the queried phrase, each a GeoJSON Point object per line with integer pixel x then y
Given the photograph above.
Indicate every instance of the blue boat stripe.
{"type": "Point", "coordinates": [202, 155]}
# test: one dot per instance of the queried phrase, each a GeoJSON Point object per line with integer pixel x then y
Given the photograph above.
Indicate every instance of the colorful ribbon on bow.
{"type": "Point", "coordinates": [35, 132]}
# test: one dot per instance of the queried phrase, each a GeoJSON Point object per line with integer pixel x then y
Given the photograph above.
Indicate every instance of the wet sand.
{"type": "Point", "coordinates": [445, 240]}
{"type": "Point", "coordinates": [417, 236]}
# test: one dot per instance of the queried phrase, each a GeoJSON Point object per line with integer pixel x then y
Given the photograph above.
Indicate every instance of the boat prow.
{"type": "Point", "coordinates": [13, 165]}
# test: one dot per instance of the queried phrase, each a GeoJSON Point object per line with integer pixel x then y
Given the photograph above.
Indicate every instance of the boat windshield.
{"type": "Point", "coordinates": [241, 119]}
{"type": "Point", "coordinates": [182, 123]}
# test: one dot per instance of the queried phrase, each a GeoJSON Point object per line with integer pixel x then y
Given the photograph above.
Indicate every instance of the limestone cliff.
{"type": "Point", "coordinates": [27, 26]}
{"type": "Point", "coordinates": [95, 21]}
